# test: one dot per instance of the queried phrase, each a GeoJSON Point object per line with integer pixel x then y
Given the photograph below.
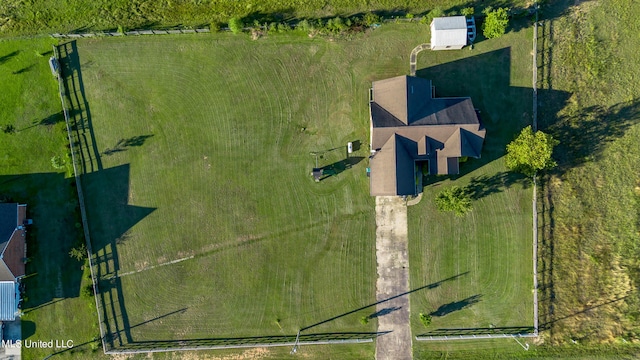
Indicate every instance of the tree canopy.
{"type": "Point", "coordinates": [454, 199]}
{"type": "Point", "coordinates": [495, 23]}
{"type": "Point", "coordinates": [530, 152]}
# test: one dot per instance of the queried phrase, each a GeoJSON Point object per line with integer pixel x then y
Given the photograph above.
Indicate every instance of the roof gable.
{"type": "Point", "coordinates": [391, 95]}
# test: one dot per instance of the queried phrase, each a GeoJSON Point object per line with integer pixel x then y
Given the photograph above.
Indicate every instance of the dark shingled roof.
{"type": "Point", "coordinates": [8, 223]}
{"type": "Point", "coordinates": [409, 124]}
{"type": "Point", "coordinates": [12, 241]}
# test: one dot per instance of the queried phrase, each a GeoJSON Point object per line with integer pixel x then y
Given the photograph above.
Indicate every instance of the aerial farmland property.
{"type": "Point", "coordinates": [222, 186]}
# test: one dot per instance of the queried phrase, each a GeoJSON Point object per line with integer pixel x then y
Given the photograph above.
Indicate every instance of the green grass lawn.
{"type": "Point", "coordinates": [52, 307]}
{"type": "Point", "coordinates": [480, 265]}
{"type": "Point", "coordinates": [215, 169]}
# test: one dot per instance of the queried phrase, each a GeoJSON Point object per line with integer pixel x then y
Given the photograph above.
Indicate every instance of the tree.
{"type": "Point", "coordinates": [425, 319]}
{"type": "Point", "coordinates": [468, 11]}
{"type": "Point", "coordinates": [454, 199]}
{"type": "Point", "coordinates": [236, 25]}
{"type": "Point", "coordinates": [531, 152]}
{"type": "Point", "coordinates": [79, 252]}
{"type": "Point", "coordinates": [495, 23]}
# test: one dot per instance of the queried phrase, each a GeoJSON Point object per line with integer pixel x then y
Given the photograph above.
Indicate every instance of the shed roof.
{"type": "Point", "coordinates": [450, 23]}
{"type": "Point", "coordinates": [8, 306]}
{"type": "Point", "coordinates": [449, 31]}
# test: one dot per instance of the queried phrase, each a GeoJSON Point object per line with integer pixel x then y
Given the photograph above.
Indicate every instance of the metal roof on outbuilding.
{"type": "Point", "coordinates": [449, 31]}
{"type": "Point", "coordinates": [8, 307]}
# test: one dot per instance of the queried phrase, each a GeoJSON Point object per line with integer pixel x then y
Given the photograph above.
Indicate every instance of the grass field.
{"type": "Point", "coordinates": [52, 285]}
{"type": "Point", "coordinates": [214, 168]}
{"type": "Point", "coordinates": [591, 202]}
{"type": "Point", "coordinates": [481, 264]}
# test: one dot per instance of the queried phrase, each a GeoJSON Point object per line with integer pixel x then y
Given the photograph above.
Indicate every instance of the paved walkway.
{"type": "Point", "coordinates": [413, 59]}
{"type": "Point", "coordinates": [393, 279]}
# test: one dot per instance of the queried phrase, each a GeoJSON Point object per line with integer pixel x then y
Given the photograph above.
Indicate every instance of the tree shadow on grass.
{"type": "Point", "coordinates": [125, 144]}
{"type": "Point", "coordinates": [583, 135]}
{"type": "Point", "coordinates": [7, 57]}
{"type": "Point", "coordinates": [23, 70]}
{"type": "Point", "coordinates": [456, 305]}
{"type": "Point", "coordinates": [383, 312]}
{"type": "Point", "coordinates": [485, 185]}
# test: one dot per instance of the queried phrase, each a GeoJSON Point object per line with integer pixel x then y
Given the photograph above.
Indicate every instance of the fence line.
{"type": "Point", "coordinates": [535, 183]}
{"type": "Point", "coordinates": [472, 337]}
{"type": "Point", "coordinates": [83, 214]}
{"type": "Point", "coordinates": [129, 33]}
{"type": "Point", "coordinates": [240, 346]}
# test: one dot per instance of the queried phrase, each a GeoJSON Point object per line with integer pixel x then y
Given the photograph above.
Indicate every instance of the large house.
{"type": "Point", "coordinates": [13, 248]}
{"type": "Point", "coordinates": [411, 128]}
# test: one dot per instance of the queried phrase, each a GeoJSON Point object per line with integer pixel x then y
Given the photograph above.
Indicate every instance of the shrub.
{"type": "Point", "coordinates": [283, 27]}
{"type": "Point", "coordinates": [87, 291]}
{"type": "Point", "coordinates": [468, 11]}
{"type": "Point", "coordinates": [370, 18]}
{"type": "Point", "coordinates": [214, 27]}
{"type": "Point", "coordinates": [236, 25]}
{"type": "Point", "coordinates": [9, 129]}
{"type": "Point", "coordinates": [436, 12]}
{"type": "Point", "coordinates": [79, 252]}
{"type": "Point", "coordinates": [305, 25]}
{"type": "Point", "coordinates": [364, 320]}
{"type": "Point", "coordinates": [425, 319]}
{"type": "Point", "coordinates": [454, 199]}
{"type": "Point", "coordinates": [58, 162]}
{"type": "Point", "coordinates": [409, 16]}
{"type": "Point", "coordinates": [495, 22]}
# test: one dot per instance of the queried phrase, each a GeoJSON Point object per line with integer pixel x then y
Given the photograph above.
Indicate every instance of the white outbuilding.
{"type": "Point", "coordinates": [449, 33]}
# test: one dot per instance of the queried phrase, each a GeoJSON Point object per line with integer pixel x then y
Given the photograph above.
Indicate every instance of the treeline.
{"type": "Point", "coordinates": [28, 17]}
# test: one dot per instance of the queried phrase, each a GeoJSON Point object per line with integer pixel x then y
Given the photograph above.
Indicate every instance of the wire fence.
{"type": "Point", "coordinates": [535, 183]}
{"type": "Point", "coordinates": [159, 346]}
{"type": "Point", "coordinates": [83, 214]}
{"type": "Point", "coordinates": [129, 33]}
{"type": "Point", "coordinates": [474, 337]}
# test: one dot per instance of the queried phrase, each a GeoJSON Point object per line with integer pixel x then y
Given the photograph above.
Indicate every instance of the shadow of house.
{"type": "Point", "coordinates": [504, 109]}
{"type": "Point", "coordinates": [50, 273]}
{"type": "Point", "coordinates": [110, 217]}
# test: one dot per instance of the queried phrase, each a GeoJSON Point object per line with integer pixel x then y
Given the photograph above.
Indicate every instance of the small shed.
{"type": "Point", "coordinates": [448, 33]}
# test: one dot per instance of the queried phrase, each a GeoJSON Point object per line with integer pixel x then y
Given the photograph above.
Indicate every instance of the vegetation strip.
{"type": "Point", "coordinates": [535, 182]}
